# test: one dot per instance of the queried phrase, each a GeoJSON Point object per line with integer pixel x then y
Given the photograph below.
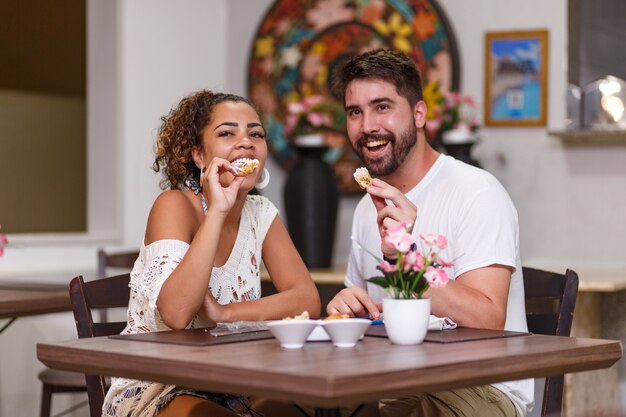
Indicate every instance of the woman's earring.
{"type": "Point", "coordinates": [201, 172]}
{"type": "Point", "coordinates": [264, 179]}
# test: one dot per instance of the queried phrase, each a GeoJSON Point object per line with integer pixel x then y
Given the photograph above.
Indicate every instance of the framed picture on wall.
{"type": "Point", "coordinates": [516, 66]}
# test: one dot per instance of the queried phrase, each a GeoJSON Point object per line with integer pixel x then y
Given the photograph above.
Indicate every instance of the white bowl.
{"type": "Point", "coordinates": [291, 333]}
{"type": "Point", "coordinates": [345, 332]}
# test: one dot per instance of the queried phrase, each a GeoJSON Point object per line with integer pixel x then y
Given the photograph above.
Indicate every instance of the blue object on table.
{"type": "Point", "coordinates": [375, 322]}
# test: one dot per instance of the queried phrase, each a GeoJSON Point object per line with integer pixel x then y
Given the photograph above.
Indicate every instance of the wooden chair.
{"type": "Point", "coordinates": [550, 302]}
{"type": "Point", "coordinates": [57, 381]}
{"type": "Point", "coordinates": [103, 293]}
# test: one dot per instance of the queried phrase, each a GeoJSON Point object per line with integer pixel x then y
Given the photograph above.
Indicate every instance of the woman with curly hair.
{"type": "Point", "coordinates": [205, 238]}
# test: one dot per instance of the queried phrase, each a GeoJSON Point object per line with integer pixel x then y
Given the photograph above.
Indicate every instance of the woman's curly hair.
{"type": "Point", "coordinates": [180, 131]}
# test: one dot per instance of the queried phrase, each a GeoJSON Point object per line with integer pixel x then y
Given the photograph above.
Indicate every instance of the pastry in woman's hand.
{"type": "Point", "coordinates": [244, 166]}
{"type": "Point", "coordinates": [363, 177]}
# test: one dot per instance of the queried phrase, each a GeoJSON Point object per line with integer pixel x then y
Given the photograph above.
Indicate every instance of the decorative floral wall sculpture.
{"type": "Point", "coordinates": [300, 42]}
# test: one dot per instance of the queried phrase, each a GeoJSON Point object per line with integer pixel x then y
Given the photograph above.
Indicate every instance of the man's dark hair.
{"type": "Point", "coordinates": [384, 64]}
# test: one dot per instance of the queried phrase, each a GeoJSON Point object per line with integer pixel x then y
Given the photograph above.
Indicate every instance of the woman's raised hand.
{"type": "Point", "coordinates": [219, 199]}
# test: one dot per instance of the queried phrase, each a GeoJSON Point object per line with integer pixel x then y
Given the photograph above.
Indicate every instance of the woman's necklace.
{"type": "Point", "coordinates": [205, 208]}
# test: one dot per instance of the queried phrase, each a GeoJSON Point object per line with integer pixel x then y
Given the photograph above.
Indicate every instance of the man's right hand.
{"type": "Point", "coordinates": [402, 210]}
{"type": "Point", "coordinates": [355, 302]}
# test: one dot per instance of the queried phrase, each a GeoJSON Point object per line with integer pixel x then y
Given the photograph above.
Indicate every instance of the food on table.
{"type": "Point", "coordinates": [244, 166]}
{"type": "Point", "coordinates": [336, 316]}
{"type": "Point", "coordinates": [362, 177]}
{"type": "Point", "coordinates": [303, 316]}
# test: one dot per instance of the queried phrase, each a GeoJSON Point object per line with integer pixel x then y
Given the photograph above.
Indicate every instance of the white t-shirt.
{"type": "Point", "coordinates": [472, 209]}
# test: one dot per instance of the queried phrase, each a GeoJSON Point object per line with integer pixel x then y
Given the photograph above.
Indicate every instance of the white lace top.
{"type": "Point", "coordinates": [237, 280]}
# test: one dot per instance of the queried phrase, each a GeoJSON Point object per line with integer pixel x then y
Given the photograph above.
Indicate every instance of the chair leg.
{"type": "Point", "coordinates": [46, 399]}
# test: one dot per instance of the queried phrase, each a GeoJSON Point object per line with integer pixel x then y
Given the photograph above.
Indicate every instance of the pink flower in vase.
{"type": "Point", "coordinates": [436, 277]}
{"type": "Point", "coordinates": [399, 239]}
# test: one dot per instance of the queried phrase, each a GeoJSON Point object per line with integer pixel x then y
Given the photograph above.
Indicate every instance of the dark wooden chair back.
{"type": "Point", "coordinates": [103, 293]}
{"type": "Point", "coordinates": [57, 381]}
{"type": "Point", "coordinates": [550, 302]}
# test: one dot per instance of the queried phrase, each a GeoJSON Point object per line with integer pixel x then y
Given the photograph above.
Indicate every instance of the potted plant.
{"type": "Point", "coordinates": [310, 192]}
{"type": "Point", "coordinates": [451, 121]}
{"type": "Point", "coordinates": [406, 279]}
{"type": "Point", "coordinates": [307, 119]}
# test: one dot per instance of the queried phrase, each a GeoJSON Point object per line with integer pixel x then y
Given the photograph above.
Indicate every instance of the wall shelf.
{"type": "Point", "coordinates": [591, 137]}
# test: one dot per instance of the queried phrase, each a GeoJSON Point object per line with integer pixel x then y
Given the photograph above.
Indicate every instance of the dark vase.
{"type": "Point", "coordinates": [311, 201]}
{"type": "Point", "coordinates": [462, 151]}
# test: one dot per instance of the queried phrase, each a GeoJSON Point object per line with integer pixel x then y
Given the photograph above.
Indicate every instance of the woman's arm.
{"type": "Point", "coordinates": [296, 289]}
{"type": "Point", "coordinates": [183, 292]}
{"type": "Point", "coordinates": [173, 217]}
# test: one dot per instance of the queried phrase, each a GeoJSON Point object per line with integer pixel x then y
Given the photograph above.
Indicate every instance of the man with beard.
{"type": "Point", "coordinates": [432, 193]}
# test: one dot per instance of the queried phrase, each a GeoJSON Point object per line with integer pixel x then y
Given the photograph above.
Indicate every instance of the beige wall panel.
{"type": "Point", "coordinates": [42, 163]}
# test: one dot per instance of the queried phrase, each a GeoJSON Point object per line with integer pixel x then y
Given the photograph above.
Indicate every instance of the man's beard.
{"type": "Point", "coordinates": [391, 161]}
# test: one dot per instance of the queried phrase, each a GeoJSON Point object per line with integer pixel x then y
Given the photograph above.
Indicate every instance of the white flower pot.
{"type": "Point", "coordinates": [314, 140]}
{"type": "Point", "coordinates": [457, 136]}
{"type": "Point", "coordinates": [406, 321]}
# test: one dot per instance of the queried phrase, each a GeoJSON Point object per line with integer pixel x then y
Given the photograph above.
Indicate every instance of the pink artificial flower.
{"type": "Point", "coordinates": [387, 267]}
{"type": "Point", "coordinates": [462, 126]}
{"type": "Point", "coordinates": [413, 260]}
{"type": "Point", "coordinates": [436, 259]}
{"type": "Point", "coordinates": [3, 241]}
{"type": "Point", "coordinates": [311, 101]}
{"type": "Point", "coordinates": [436, 277]}
{"type": "Point", "coordinates": [316, 119]}
{"type": "Point", "coordinates": [433, 125]}
{"type": "Point", "coordinates": [453, 99]}
{"type": "Point", "coordinates": [295, 108]}
{"type": "Point", "coordinates": [470, 101]}
{"type": "Point", "coordinates": [290, 123]}
{"type": "Point", "coordinates": [439, 241]}
{"type": "Point", "coordinates": [398, 238]}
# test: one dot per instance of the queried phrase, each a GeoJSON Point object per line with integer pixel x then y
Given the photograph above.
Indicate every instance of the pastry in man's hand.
{"type": "Point", "coordinates": [362, 177]}
{"type": "Point", "coordinates": [243, 167]}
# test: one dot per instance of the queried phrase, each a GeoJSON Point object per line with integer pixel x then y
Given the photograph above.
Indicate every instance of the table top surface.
{"type": "Point", "coordinates": [28, 299]}
{"type": "Point", "coordinates": [328, 376]}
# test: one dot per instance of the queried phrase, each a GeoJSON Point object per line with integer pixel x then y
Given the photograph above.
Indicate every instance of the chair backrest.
{"type": "Point", "coordinates": [101, 293]}
{"type": "Point", "coordinates": [550, 302]}
{"type": "Point", "coordinates": [115, 260]}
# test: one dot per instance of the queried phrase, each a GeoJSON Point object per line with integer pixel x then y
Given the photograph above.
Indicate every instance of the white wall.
{"type": "Point", "coordinates": [144, 55]}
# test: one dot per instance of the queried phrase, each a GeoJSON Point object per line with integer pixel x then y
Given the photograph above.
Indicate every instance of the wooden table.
{"type": "Point", "coordinates": [22, 299]}
{"type": "Point", "coordinates": [326, 376]}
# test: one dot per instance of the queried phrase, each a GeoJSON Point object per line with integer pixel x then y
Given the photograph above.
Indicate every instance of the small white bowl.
{"type": "Point", "coordinates": [291, 333]}
{"type": "Point", "coordinates": [345, 332]}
